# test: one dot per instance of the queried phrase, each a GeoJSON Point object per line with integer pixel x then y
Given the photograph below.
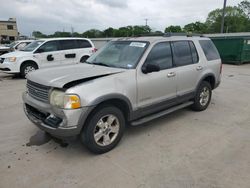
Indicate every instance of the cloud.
{"type": "Point", "coordinates": [113, 3]}
{"type": "Point", "coordinates": [49, 16]}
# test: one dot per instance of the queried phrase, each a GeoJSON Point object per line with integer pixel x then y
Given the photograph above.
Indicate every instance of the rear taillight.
{"type": "Point", "coordinates": [220, 68]}
{"type": "Point", "coordinates": [94, 50]}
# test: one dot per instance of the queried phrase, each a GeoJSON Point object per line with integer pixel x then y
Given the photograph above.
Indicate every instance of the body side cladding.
{"type": "Point", "coordinates": [163, 105]}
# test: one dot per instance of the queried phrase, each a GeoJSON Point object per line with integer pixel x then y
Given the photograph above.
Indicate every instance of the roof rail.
{"type": "Point", "coordinates": [170, 34]}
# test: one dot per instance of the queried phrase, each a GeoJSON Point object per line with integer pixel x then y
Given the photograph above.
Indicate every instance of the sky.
{"type": "Point", "coordinates": [49, 16]}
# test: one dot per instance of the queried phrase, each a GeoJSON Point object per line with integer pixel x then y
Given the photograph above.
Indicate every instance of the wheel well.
{"type": "Point", "coordinates": [29, 61]}
{"type": "Point", "coordinates": [119, 103]}
{"type": "Point", "coordinates": [85, 56]}
{"type": "Point", "coordinates": [210, 79]}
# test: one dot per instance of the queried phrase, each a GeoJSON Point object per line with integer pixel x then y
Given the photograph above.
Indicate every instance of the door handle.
{"type": "Point", "coordinates": [70, 55]}
{"type": "Point", "coordinates": [171, 74]}
{"type": "Point", "coordinates": [199, 68]}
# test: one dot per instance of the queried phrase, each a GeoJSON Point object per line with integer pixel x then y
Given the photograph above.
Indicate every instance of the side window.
{"type": "Point", "coordinates": [67, 44]}
{"type": "Point", "coordinates": [160, 55]}
{"type": "Point", "coordinates": [182, 53]}
{"type": "Point", "coordinates": [21, 45]}
{"type": "Point", "coordinates": [194, 52]}
{"type": "Point", "coordinates": [209, 49]}
{"type": "Point", "coordinates": [83, 44]}
{"type": "Point", "coordinates": [49, 46]}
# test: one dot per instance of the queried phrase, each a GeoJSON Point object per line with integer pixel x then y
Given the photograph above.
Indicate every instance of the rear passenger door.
{"type": "Point", "coordinates": [189, 69]}
{"type": "Point", "coordinates": [67, 50]}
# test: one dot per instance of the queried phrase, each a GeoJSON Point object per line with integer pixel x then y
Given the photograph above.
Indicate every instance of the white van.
{"type": "Point", "coordinates": [16, 45]}
{"type": "Point", "coordinates": [47, 53]}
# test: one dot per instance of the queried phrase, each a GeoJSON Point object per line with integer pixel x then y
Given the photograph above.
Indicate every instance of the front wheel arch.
{"type": "Point", "coordinates": [23, 64]}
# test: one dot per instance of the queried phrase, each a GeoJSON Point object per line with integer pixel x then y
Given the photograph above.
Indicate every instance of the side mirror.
{"type": "Point", "coordinates": [148, 68]}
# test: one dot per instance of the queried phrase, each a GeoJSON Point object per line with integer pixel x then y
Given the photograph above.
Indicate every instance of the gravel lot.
{"type": "Point", "coordinates": [187, 149]}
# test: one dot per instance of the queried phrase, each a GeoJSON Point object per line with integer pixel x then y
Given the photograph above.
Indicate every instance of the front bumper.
{"type": "Point", "coordinates": [9, 67]}
{"type": "Point", "coordinates": [57, 122]}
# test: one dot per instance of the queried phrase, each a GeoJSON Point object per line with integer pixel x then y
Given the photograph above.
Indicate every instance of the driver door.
{"type": "Point", "coordinates": [157, 89]}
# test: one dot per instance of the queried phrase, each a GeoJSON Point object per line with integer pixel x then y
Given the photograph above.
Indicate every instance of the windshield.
{"type": "Point", "coordinates": [11, 45]}
{"type": "Point", "coordinates": [32, 46]}
{"type": "Point", "coordinates": [121, 54]}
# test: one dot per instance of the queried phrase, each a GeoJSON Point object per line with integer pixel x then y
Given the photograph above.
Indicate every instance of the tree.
{"type": "Point", "coordinates": [141, 30]}
{"type": "Point", "coordinates": [108, 32]}
{"type": "Point", "coordinates": [196, 27]}
{"type": "Point", "coordinates": [93, 33]}
{"type": "Point", "coordinates": [245, 7]}
{"type": "Point", "coordinates": [235, 20]}
{"type": "Point", "coordinates": [173, 29]}
{"type": "Point", "coordinates": [61, 34]}
{"type": "Point", "coordinates": [38, 34]}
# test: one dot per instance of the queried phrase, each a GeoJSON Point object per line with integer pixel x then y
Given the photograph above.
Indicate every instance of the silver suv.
{"type": "Point", "coordinates": [129, 81]}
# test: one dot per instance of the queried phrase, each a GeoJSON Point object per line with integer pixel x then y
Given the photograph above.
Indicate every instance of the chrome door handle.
{"type": "Point", "coordinates": [199, 68]}
{"type": "Point", "coordinates": [171, 74]}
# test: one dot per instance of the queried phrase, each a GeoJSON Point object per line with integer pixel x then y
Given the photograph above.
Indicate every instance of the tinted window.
{"type": "Point", "coordinates": [160, 55]}
{"type": "Point", "coordinates": [67, 44]}
{"type": "Point", "coordinates": [209, 49]}
{"type": "Point", "coordinates": [83, 44]}
{"type": "Point", "coordinates": [182, 53]}
{"type": "Point", "coordinates": [49, 46]}
{"type": "Point", "coordinates": [194, 52]}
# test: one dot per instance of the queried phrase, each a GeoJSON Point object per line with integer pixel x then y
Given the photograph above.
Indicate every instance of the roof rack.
{"type": "Point", "coordinates": [170, 34]}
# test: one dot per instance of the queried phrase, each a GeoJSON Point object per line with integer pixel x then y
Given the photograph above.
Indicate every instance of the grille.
{"type": "Point", "coordinates": [38, 91]}
{"type": "Point", "coordinates": [1, 60]}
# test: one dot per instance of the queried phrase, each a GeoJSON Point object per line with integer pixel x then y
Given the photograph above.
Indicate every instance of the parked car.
{"type": "Point", "coordinates": [47, 53]}
{"type": "Point", "coordinates": [16, 45]}
{"type": "Point", "coordinates": [129, 81]}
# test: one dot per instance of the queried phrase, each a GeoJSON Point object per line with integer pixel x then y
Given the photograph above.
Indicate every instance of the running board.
{"type": "Point", "coordinates": [161, 113]}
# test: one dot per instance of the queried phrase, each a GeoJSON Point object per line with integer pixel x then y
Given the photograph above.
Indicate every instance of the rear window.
{"type": "Point", "coordinates": [209, 49]}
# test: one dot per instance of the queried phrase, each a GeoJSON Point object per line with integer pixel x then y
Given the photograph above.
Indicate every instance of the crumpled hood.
{"type": "Point", "coordinates": [16, 54]}
{"type": "Point", "coordinates": [60, 76]}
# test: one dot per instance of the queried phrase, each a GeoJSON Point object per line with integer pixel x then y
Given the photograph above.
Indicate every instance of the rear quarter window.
{"type": "Point", "coordinates": [83, 44]}
{"type": "Point", "coordinates": [209, 50]}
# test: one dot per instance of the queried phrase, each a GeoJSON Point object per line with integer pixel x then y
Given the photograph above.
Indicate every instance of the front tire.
{"type": "Point", "coordinates": [202, 97]}
{"type": "Point", "coordinates": [104, 129]}
{"type": "Point", "coordinates": [27, 68]}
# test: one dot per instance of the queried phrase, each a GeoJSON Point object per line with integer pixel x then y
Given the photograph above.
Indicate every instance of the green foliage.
{"type": "Point", "coordinates": [38, 34]}
{"type": "Point", "coordinates": [196, 27]}
{"type": "Point", "coordinates": [235, 20]}
{"type": "Point", "coordinates": [92, 33]}
{"type": "Point", "coordinates": [173, 29]}
{"type": "Point", "coordinates": [245, 7]}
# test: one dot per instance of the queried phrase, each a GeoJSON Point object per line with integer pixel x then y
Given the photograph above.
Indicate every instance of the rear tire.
{"type": "Point", "coordinates": [202, 97]}
{"type": "Point", "coordinates": [104, 129]}
{"type": "Point", "coordinates": [27, 68]}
